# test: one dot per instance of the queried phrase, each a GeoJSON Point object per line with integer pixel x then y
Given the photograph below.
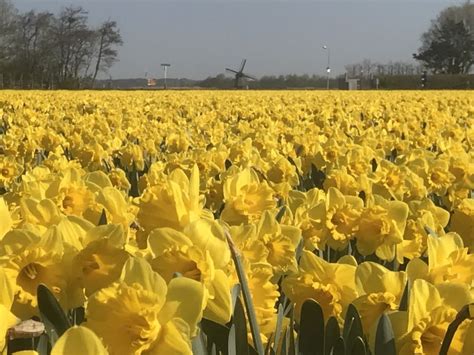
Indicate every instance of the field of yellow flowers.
{"type": "Point", "coordinates": [236, 222]}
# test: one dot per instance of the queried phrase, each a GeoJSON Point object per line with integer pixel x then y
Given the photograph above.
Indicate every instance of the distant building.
{"type": "Point", "coordinates": [346, 83]}
{"type": "Point", "coordinates": [353, 84]}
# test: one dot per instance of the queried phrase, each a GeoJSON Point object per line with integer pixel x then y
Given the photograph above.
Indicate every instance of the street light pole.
{"type": "Point", "coordinates": [165, 68]}
{"type": "Point", "coordinates": [328, 68]}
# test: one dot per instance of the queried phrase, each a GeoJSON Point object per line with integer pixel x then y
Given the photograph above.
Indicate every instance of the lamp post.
{"type": "Point", "coordinates": [165, 69]}
{"type": "Point", "coordinates": [328, 68]}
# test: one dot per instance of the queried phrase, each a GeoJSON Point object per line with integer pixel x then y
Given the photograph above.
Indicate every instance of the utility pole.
{"type": "Point", "coordinates": [165, 68]}
{"type": "Point", "coordinates": [328, 68]}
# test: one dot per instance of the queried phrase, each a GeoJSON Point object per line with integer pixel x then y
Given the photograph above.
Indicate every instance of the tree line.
{"type": "Point", "coordinates": [368, 69]}
{"type": "Point", "coordinates": [222, 81]}
{"type": "Point", "coordinates": [39, 49]}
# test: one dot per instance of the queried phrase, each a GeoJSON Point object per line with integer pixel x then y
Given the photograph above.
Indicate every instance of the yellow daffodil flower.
{"type": "Point", "coordinates": [381, 226]}
{"type": "Point", "coordinates": [246, 198]}
{"type": "Point", "coordinates": [331, 285]}
{"type": "Point", "coordinates": [380, 291]}
{"type": "Point", "coordinates": [79, 340]}
{"type": "Point", "coordinates": [141, 314]}
{"type": "Point", "coordinates": [421, 329]}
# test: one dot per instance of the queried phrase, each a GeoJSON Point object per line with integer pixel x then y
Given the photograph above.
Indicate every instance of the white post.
{"type": "Point", "coordinates": [166, 71]}
{"type": "Point", "coordinates": [328, 68]}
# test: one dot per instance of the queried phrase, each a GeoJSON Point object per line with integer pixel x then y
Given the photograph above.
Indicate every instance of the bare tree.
{"type": "Point", "coordinates": [7, 18]}
{"type": "Point", "coordinates": [108, 38]}
{"type": "Point", "coordinates": [38, 48]}
{"type": "Point", "coordinates": [31, 46]}
{"type": "Point", "coordinates": [71, 33]}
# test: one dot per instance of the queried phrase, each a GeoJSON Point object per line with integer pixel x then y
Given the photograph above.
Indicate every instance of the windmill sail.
{"type": "Point", "coordinates": [240, 74]}
{"type": "Point", "coordinates": [242, 65]}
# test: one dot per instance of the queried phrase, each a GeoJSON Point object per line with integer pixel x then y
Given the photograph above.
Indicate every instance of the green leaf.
{"type": "Point", "coordinates": [352, 327]}
{"type": "Point", "coordinates": [268, 348]}
{"type": "Point", "coordinates": [232, 342]}
{"type": "Point", "coordinates": [43, 347]}
{"type": "Point", "coordinates": [198, 344]}
{"type": "Point", "coordinates": [358, 347]}
{"type": "Point", "coordinates": [277, 333]}
{"type": "Point", "coordinates": [429, 231]}
{"type": "Point", "coordinates": [462, 315]}
{"type": "Point", "coordinates": [292, 347]}
{"type": "Point", "coordinates": [239, 330]}
{"type": "Point", "coordinates": [311, 333]}
{"type": "Point", "coordinates": [288, 340]}
{"type": "Point", "coordinates": [252, 317]}
{"type": "Point", "coordinates": [317, 177]}
{"type": "Point", "coordinates": [285, 343]}
{"type": "Point", "coordinates": [339, 348]}
{"type": "Point", "coordinates": [51, 312]}
{"type": "Point", "coordinates": [217, 335]}
{"type": "Point", "coordinates": [77, 315]}
{"type": "Point", "coordinates": [213, 349]}
{"type": "Point", "coordinates": [103, 218]}
{"type": "Point", "coordinates": [38, 157]}
{"type": "Point", "coordinates": [235, 294]}
{"type": "Point", "coordinates": [404, 300]}
{"type": "Point", "coordinates": [332, 334]}
{"type": "Point", "coordinates": [280, 213]}
{"type": "Point", "coordinates": [133, 179]}
{"type": "Point", "coordinates": [299, 250]}
{"type": "Point", "coordinates": [384, 338]}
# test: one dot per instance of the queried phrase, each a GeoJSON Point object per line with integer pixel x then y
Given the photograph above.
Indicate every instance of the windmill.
{"type": "Point", "coordinates": [240, 74]}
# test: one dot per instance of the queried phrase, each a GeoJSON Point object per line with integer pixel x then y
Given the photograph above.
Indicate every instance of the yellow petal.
{"type": "Point", "coordinates": [219, 308]}
{"type": "Point", "coordinates": [16, 240]}
{"type": "Point", "coordinates": [456, 295]}
{"type": "Point", "coordinates": [439, 248]}
{"type": "Point", "coordinates": [468, 346]}
{"type": "Point", "coordinates": [5, 218]}
{"type": "Point", "coordinates": [44, 213]}
{"type": "Point", "coordinates": [185, 300]}
{"type": "Point", "coordinates": [113, 232]}
{"type": "Point", "coordinates": [209, 235]}
{"type": "Point", "coordinates": [71, 234]}
{"type": "Point", "coordinates": [7, 320]}
{"type": "Point", "coordinates": [7, 289]}
{"type": "Point", "coordinates": [267, 224]}
{"type": "Point", "coordinates": [398, 212]}
{"type": "Point", "coordinates": [348, 260]}
{"type": "Point", "coordinates": [373, 278]}
{"type": "Point", "coordinates": [97, 180]}
{"type": "Point", "coordinates": [312, 264]}
{"type": "Point", "coordinates": [417, 269]}
{"type": "Point", "coordinates": [79, 340]}
{"type": "Point", "coordinates": [138, 270]}
{"type": "Point", "coordinates": [386, 252]}
{"type": "Point", "coordinates": [399, 322]}
{"type": "Point", "coordinates": [161, 239]}
{"type": "Point", "coordinates": [194, 188]}
{"type": "Point", "coordinates": [335, 198]}
{"type": "Point", "coordinates": [423, 298]}
{"type": "Point", "coordinates": [174, 339]}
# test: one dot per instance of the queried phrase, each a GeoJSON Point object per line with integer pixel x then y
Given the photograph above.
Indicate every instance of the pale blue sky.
{"type": "Point", "coordinates": [202, 37]}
